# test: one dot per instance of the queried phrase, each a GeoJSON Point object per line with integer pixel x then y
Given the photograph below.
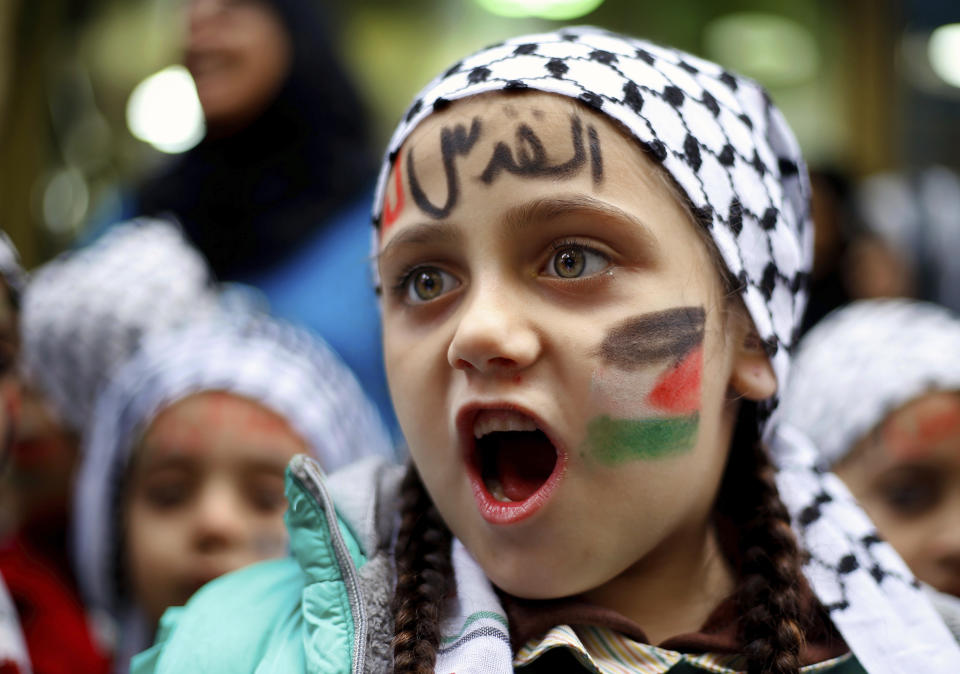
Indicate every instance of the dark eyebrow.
{"type": "Point", "coordinates": [420, 234]}
{"type": "Point", "coordinates": [542, 210]}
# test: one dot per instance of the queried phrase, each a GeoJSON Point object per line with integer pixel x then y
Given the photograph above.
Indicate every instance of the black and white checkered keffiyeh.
{"type": "Point", "coordinates": [84, 312]}
{"type": "Point", "coordinates": [734, 157]}
{"type": "Point", "coordinates": [275, 364]}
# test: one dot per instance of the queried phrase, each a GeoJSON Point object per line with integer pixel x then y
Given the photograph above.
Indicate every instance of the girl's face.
{"type": "Point", "coordinates": [238, 53]}
{"type": "Point", "coordinates": [555, 344]}
{"type": "Point", "coordinates": [906, 474]}
{"type": "Point", "coordinates": [205, 496]}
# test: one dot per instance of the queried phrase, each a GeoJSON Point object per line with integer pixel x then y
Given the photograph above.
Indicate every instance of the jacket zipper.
{"type": "Point", "coordinates": [310, 476]}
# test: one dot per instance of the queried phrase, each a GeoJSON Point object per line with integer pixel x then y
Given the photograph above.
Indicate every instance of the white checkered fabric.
{"type": "Point", "coordinates": [272, 363]}
{"type": "Point", "coordinates": [10, 267]}
{"type": "Point", "coordinates": [84, 312]}
{"type": "Point", "coordinates": [732, 154]}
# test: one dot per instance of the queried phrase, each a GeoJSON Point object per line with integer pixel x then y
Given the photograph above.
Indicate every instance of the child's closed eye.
{"type": "Point", "coordinates": [168, 492]}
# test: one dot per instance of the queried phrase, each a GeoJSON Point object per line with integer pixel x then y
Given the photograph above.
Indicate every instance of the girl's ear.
{"type": "Point", "coordinates": [752, 376]}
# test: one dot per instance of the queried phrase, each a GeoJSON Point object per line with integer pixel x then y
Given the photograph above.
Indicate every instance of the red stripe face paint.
{"type": "Point", "coordinates": [923, 425]}
{"type": "Point", "coordinates": [390, 215]}
{"type": "Point", "coordinates": [649, 385]}
{"type": "Point", "coordinates": [678, 390]}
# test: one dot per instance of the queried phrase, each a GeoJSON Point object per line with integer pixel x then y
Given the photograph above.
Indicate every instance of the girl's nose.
{"type": "Point", "coordinates": [218, 521]}
{"type": "Point", "coordinates": [495, 334]}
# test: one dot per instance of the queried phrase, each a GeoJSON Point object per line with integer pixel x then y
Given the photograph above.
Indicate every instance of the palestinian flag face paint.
{"type": "Point", "coordinates": [649, 387]}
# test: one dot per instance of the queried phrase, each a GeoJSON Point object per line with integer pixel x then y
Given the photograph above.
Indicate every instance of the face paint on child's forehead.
{"type": "Point", "coordinates": [649, 412]}
{"type": "Point", "coordinates": [525, 155]}
{"type": "Point", "coordinates": [391, 213]}
{"type": "Point", "coordinates": [916, 432]}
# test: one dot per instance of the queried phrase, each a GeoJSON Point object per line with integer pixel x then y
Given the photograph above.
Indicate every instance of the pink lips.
{"type": "Point", "coordinates": [492, 510]}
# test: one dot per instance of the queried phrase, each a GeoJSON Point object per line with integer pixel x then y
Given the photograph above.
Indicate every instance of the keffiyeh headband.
{"type": "Point", "coordinates": [735, 159]}
{"type": "Point", "coordinates": [85, 312]}
{"type": "Point", "coordinates": [281, 367]}
{"type": "Point", "coordinates": [862, 362]}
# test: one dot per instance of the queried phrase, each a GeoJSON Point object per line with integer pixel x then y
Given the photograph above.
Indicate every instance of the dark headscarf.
{"type": "Point", "coordinates": [247, 199]}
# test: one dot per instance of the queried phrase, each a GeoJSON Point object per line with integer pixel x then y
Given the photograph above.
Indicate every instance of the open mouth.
{"type": "Point", "coordinates": [515, 465]}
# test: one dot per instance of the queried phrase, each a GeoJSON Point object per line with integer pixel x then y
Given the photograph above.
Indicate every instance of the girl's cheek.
{"type": "Point", "coordinates": [647, 389]}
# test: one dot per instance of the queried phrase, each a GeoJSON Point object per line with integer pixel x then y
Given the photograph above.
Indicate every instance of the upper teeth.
{"type": "Point", "coordinates": [491, 421]}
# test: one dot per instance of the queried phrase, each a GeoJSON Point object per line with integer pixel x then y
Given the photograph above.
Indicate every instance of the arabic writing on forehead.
{"type": "Point", "coordinates": [527, 158]}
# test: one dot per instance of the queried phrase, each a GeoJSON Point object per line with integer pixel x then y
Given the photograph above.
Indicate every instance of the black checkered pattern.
{"type": "Point", "coordinates": [870, 594]}
{"type": "Point", "coordinates": [84, 313]}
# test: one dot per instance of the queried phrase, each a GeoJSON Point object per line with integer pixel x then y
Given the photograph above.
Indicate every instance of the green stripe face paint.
{"type": "Point", "coordinates": [653, 411]}
{"type": "Point", "coordinates": [614, 441]}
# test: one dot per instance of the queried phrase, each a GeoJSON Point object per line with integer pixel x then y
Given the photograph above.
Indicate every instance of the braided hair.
{"type": "Point", "coordinates": [771, 619]}
{"type": "Point", "coordinates": [424, 578]}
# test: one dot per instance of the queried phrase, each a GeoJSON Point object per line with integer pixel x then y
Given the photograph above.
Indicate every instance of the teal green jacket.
{"type": "Point", "coordinates": [324, 609]}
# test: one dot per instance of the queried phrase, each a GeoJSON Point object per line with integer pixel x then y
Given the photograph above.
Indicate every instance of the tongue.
{"type": "Point", "coordinates": [524, 461]}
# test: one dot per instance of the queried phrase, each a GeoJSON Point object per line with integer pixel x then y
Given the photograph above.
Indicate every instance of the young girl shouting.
{"type": "Point", "coordinates": [592, 252]}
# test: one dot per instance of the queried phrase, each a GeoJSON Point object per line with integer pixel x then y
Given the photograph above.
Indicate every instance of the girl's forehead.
{"type": "Point", "coordinates": [538, 144]}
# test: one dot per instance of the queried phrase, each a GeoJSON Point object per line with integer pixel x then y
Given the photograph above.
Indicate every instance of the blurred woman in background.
{"type": "Point", "coordinates": [274, 193]}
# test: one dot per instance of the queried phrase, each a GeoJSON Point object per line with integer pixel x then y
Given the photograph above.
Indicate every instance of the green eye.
{"type": "Point", "coordinates": [575, 260]}
{"type": "Point", "coordinates": [429, 283]}
{"type": "Point", "coordinates": [569, 263]}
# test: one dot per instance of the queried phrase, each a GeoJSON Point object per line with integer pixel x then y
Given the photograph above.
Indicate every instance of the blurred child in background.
{"type": "Point", "coordinates": [182, 471]}
{"type": "Point", "coordinates": [876, 387]}
{"type": "Point", "coordinates": [83, 314]}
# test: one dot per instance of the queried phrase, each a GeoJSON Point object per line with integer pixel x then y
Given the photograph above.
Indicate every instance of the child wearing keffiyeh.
{"type": "Point", "coordinates": [181, 473]}
{"type": "Point", "coordinates": [592, 253]}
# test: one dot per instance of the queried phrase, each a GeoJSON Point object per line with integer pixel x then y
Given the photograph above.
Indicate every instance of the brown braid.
{"type": "Point", "coordinates": [424, 579]}
{"type": "Point", "coordinates": [769, 597]}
